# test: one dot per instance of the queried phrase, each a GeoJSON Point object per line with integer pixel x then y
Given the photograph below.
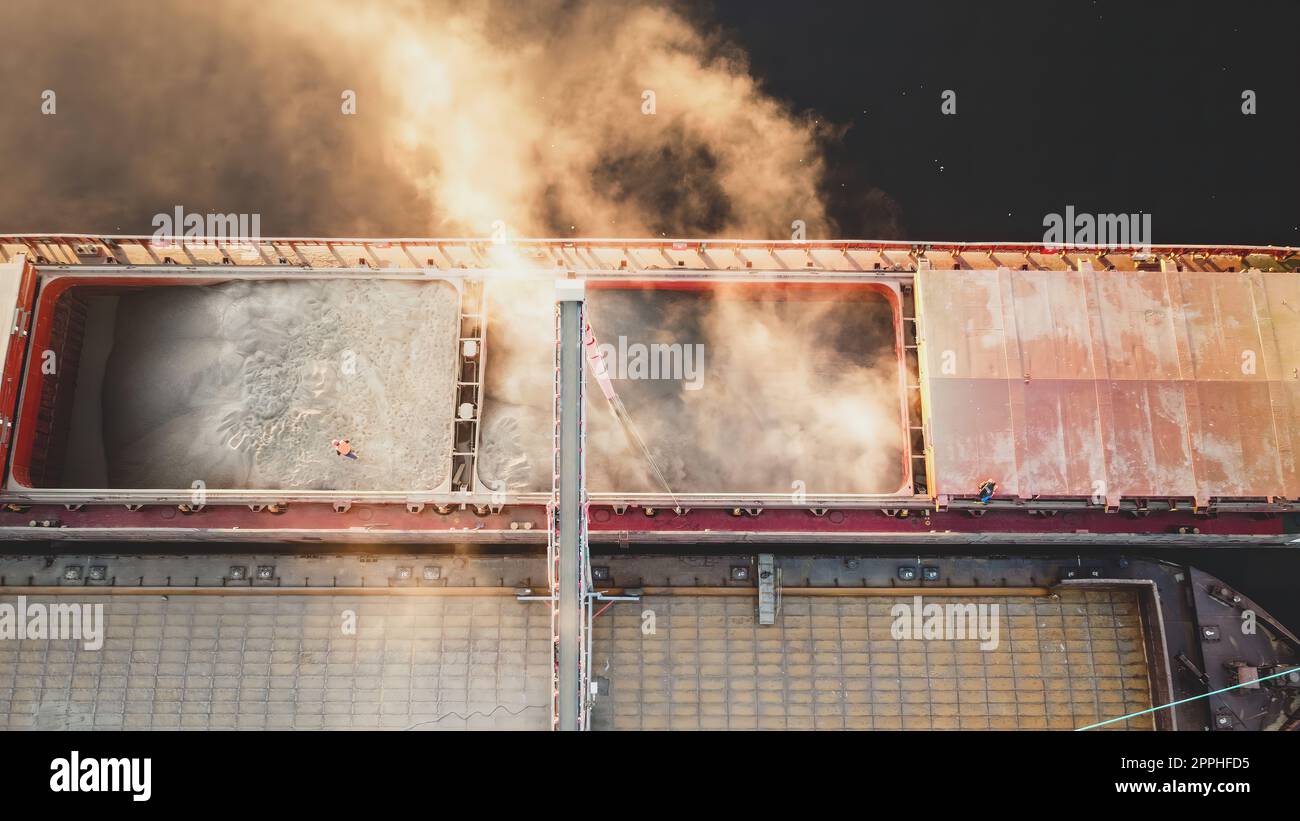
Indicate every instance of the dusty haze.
{"type": "Point", "coordinates": [469, 117]}
{"type": "Point", "coordinates": [466, 114]}
{"type": "Point", "coordinates": [798, 392]}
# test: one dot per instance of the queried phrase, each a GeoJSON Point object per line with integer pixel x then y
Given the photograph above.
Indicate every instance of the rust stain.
{"type": "Point", "coordinates": [1133, 384]}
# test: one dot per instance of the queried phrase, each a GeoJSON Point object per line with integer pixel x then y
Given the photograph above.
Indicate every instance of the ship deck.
{"type": "Point", "coordinates": [474, 657]}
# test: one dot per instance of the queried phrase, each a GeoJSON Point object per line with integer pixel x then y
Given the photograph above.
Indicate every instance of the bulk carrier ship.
{"type": "Point", "coordinates": [1006, 409]}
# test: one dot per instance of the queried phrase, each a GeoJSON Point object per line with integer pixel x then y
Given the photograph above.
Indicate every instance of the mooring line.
{"type": "Point", "coordinates": [1184, 701]}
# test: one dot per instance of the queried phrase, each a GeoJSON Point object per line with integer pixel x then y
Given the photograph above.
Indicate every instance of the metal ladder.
{"type": "Point", "coordinates": [469, 388]}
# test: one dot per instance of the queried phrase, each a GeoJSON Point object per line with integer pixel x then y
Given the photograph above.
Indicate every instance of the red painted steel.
{"type": "Point", "coordinates": [529, 521]}
{"type": "Point", "coordinates": [1110, 385]}
{"type": "Point", "coordinates": [18, 285]}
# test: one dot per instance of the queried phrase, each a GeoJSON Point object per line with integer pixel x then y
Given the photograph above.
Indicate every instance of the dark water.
{"type": "Point", "coordinates": [1270, 576]}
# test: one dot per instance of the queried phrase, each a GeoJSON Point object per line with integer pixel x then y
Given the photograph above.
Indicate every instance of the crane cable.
{"type": "Point", "coordinates": [600, 370]}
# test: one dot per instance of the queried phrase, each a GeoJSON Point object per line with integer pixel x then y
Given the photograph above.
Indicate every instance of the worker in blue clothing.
{"type": "Point", "coordinates": [987, 490]}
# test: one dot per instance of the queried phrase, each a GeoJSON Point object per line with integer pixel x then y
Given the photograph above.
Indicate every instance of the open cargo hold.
{"type": "Point", "coordinates": [1111, 384]}
{"type": "Point", "coordinates": [239, 383]}
{"type": "Point", "coordinates": [753, 388]}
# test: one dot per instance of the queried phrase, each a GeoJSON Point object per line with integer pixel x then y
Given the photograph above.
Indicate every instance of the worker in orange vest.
{"type": "Point", "coordinates": [343, 447]}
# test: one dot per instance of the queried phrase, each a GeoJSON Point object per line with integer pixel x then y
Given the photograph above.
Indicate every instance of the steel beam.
{"type": "Point", "coordinates": [570, 541]}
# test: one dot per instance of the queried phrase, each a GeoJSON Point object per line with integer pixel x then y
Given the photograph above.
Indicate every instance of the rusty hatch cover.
{"type": "Point", "coordinates": [1110, 384]}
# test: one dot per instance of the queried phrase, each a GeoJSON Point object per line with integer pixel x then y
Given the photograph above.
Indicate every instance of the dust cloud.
{"type": "Point", "coordinates": [797, 392]}
{"type": "Point", "coordinates": [468, 116]}
{"type": "Point", "coordinates": [604, 118]}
